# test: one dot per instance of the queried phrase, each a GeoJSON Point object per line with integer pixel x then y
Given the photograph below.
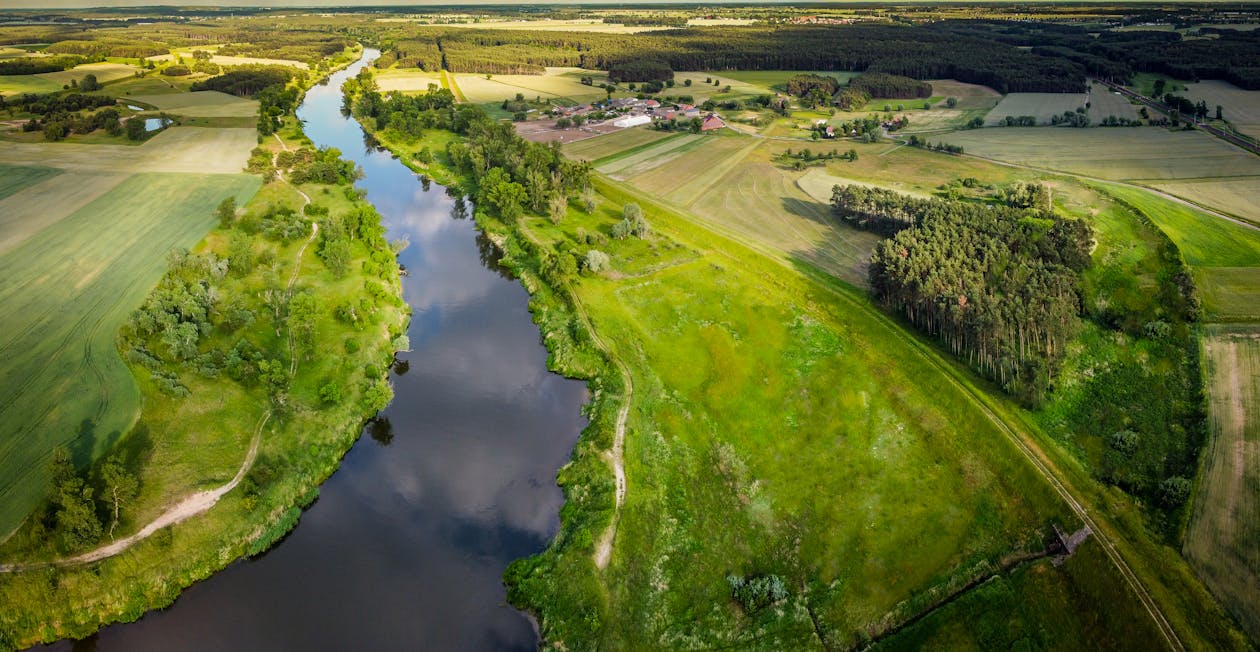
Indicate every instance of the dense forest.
{"type": "Point", "coordinates": [997, 285]}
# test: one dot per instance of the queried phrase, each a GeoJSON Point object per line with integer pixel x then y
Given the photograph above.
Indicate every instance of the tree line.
{"type": "Point", "coordinates": [997, 285]}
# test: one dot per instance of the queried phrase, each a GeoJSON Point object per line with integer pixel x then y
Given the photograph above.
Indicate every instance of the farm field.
{"type": "Point", "coordinates": [562, 83]}
{"type": "Point", "coordinates": [67, 290]}
{"type": "Point", "coordinates": [1223, 539]}
{"type": "Point", "coordinates": [409, 80]}
{"type": "Point", "coordinates": [105, 72]}
{"type": "Point", "coordinates": [223, 60]}
{"type": "Point", "coordinates": [640, 160]}
{"type": "Point", "coordinates": [1224, 257]}
{"type": "Point", "coordinates": [1240, 107]}
{"type": "Point", "coordinates": [199, 104]}
{"type": "Point", "coordinates": [599, 147]}
{"type": "Point", "coordinates": [13, 84]}
{"type": "Point", "coordinates": [691, 174]}
{"type": "Point", "coordinates": [39, 205]}
{"type": "Point", "coordinates": [1104, 103]}
{"type": "Point", "coordinates": [177, 149]}
{"type": "Point", "coordinates": [1043, 106]}
{"type": "Point", "coordinates": [15, 178]}
{"type": "Point", "coordinates": [559, 25]}
{"type": "Point", "coordinates": [1148, 153]}
{"type": "Point", "coordinates": [1239, 197]}
{"type": "Point", "coordinates": [771, 81]}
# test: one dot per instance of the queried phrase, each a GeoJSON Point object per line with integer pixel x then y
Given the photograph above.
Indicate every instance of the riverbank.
{"type": "Point", "coordinates": [313, 354]}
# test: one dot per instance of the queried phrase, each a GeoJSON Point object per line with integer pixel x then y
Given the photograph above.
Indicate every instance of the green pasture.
{"type": "Point", "coordinates": [14, 178]}
{"type": "Point", "coordinates": [203, 104]}
{"type": "Point", "coordinates": [67, 290]}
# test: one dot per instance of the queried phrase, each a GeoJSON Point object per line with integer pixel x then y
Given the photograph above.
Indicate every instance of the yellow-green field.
{"type": "Point", "coordinates": [200, 104]}
{"type": "Point", "coordinates": [1043, 106]}
{"type": "Point", "coordinates": [1112, 153]}
{"type": "Point", "coordinates": [641, 160]}
{"type": "Point", "coordinates": [177, 149]}
{"type": "Point", "coordinates": [1239, 196]}
{"type": "Point", "coordinates": [1240, 107]}
{"type": "Point", "coordinates": [66, 290]}
{"type": "Point", "coordinates": [684, 178]}
{"type": "Point", "coordinates": [556, 83]}
{"type": "Point", "coordinates": [408, 80]}
{"type": "Point", "coordinates": [105, 72]}
{"type": "Point", "coordinates": [13, 84]}
{"type": "Point", "coordinates": [1223, 540]}
{"type": "Point", "coordinates": [222, 60]}
{"type": "Point", "coordinates": [609, 144]}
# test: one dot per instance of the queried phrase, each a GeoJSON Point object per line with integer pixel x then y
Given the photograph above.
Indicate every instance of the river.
{"type": "Point", "coordinates": [406, 546]}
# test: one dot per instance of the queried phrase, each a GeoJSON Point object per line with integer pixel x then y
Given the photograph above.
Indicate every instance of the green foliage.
{"type": "Point", "coordinates": [377, 395]}
{"type": "Point", "coordinates": [596, 261]}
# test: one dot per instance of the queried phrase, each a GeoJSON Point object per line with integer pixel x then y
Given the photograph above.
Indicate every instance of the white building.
{"type": "Point", "coordinates": [632, 121]}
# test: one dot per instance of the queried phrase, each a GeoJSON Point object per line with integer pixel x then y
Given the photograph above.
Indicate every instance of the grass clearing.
{"type": "Point", "coordinates": [67, 290]}
{"type": "Point", "coordinates": [1042, 106]}
{"type": "Point", "coordinates": [1223, 540]}
{"type": "Point", "coordinates": [202, 104]}
{"type": "Point", "coordinates": [1150, 153]}
{"type": "Point", "coordinates": [1240, 107]}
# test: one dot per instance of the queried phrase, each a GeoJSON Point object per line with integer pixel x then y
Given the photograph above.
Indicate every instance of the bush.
{"type": "Point", "coordinates": [596, 261]}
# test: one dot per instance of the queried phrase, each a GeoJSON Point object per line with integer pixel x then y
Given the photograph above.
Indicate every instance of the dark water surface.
{"type": "Point", "coordinates": [407, 544]}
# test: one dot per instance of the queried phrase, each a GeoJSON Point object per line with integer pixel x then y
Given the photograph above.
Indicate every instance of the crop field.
{"type": "Point", "coordinates": [42, 204]}
{"type": "Point", "coordinates": [606, 145]}
{"type": "Point", "coordinates": [1240, 107]}
{"type": "Point", "coordinates": [199, 104]}
{"type": "Point", "coordinates": [642, 159]}
{"type": "Point", "coordinates": [1148, 153]}
{"type": "Point", "coordinates": [1104, 102]}
{"type": "Point", "coordinates": [556, 83]}
{"type": "Point", "coordinates": [1239, 197]}
{"type": "Point", "coordinates": [770, 205]}
{"type": "Point", "coordinates": [177, 149]}
{"type": "Point", "coordinates": [749, 379]}
{"type": "Point", "coordinates": [233, 60]}
{"type": "Point", "coordinates": [1230, 294]}
{"type": "Point", "coordinates": [67, 290]}
{"type": "Point", "coordinates": [105, 72]}
{"type": "Point", "coordinates": [1223, 540]}
{"type": "Point", "coordinates": [15, 178]}
{"type": "Point", "coordinates": [409, 80]}
{"type": "Point", "coordinates": [1043, 106]}
{"type": "Point", "coordinates": [688, 176]}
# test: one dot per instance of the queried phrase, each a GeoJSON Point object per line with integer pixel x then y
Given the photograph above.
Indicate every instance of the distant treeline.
{"type": "Point", "coordinates": [1234, 55]}
{"type": "Point", "coordinates": [37, 65]}
{"type": "Point", "coordinates": [997, 285]}
{"type": "Point", "coordinates": [247, 81]}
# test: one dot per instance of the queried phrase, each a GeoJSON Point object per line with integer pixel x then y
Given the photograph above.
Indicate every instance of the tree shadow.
{"type": "Point", "coordinates": [810, 210]}
{"type": "Point", "coordinates": [381, 430]}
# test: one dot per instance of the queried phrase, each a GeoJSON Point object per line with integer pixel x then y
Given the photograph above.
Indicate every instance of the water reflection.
{"type": "Point", "coordinates": [407, 544]}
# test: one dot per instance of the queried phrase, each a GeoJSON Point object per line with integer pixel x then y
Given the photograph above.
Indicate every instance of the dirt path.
{"type": "Point", "coordinates": [182, 511]}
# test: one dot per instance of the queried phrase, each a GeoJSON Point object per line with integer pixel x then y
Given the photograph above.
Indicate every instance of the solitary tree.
{"type": "Point", "coordinates": [120, 488]}
{"type": "Point", "coordinates": [226, 212]}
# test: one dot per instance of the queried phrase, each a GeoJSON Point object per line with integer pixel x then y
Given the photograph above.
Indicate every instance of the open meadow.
{"type": "Point", "coordinates": [1223, 540]}
{"type": "Point", "coordinates": [1240, 107]}
{"type": "Point", "coordinates": [557, 83]}
{"type": "Point", "coordinates": [199, 104]}
{"type": "Point", "coordinates": [223, 60]}
{"type": "Point", "coordinates": [105, 72]}
{"type": "Point", "coordinates": [1238, 196]}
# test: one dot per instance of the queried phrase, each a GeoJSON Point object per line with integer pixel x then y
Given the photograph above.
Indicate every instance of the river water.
{"type": "Point", "coordinates": [406, 546]}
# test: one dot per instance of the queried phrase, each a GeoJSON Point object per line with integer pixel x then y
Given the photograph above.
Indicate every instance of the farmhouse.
{"type": "Point", "coordinates": [711, 122]}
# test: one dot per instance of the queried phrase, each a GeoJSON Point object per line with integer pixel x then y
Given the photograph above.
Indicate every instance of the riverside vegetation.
{"type": "Point", "coordinates": [706, 330]}
{"type": "Point", "coordinates": [280, 325]}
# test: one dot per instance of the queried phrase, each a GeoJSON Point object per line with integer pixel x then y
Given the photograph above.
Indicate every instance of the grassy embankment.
{"type": "Point", "coordinates": [1131, 262]}
{"type": "Point", "coordinates": [775, 430]}
{"type": "Point", "coordinates": [308, 405]}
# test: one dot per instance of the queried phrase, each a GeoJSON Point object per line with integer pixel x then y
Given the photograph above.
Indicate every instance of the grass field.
{"type": "Point", "coordinates": [777, 428]}
{"type": "Point", "coordinates": [409, 80]}
{"type": "Point", "coordinates": [1240, 107]}
{"type": "Point", "coordinates": [1223, 540]}
{"type": "Point", "coordinates": [232, 60]}
{"type": "Point", "coordinates": [105, 72]}
{"type": "Point", "coordinates": [1239, 197]}
{"type": "Point", "coordinates": [13, 84]}
{"type": "Point", "coordinates": [177, 149]}
{"type": "Point", "coordinates": [770, 81]}
{"type": "Point", "coordinates": [1149, 153]}
{"type": "Point", "coordinates": [67, 290]}
{"type": "Point", "coordinates": [606, 145]}
{"type": "Point", "coordinates": [1043, 106]}
{"type": "Point", "coordinates": [14, 178]}
{"type": "Point", "coordinates": [200, 104]}
{"type": "Point", "coordinates": [692, 173]}
{"type": "Point", "coordinates": [641, 159]}
{"type": "Point", "coordinates": [40, 205]}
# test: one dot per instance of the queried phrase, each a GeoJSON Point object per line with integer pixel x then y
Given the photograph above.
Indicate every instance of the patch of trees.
{"type": "Point", "coordinates": [1078, 118]}
{"type": "Point", "coordinates": [247, 81]}
{"type": "Point", "coordinates": [876, 84]}
{"type": "Point", "coordinates": [998, 286]}
{"type": "Point", "coordinates": [639, 70]}
{"type": "Point", "coordinates": [177, 70]}
{"type": "Point", "coordinates": [37, 65]}
{"type": "Point", "coordinates": [1010, 121]}
{"type": "Point", "coordinates": [81, 505]}
{"type": "Point", "coordinates": [801, 159]}
{"type": "Point", "coordinates": [942, 146]}
{"type": "Point", "coordinates": [49, 104]}
{"type": "Point", "coordinates": [650, 20]}
{"type": "Point", "coordinates": [287, 43]}
{"type": "Point", "coordinates": [101, 47]}
{"type": "Point", "coordinates": [322, 165]}
{"type": "Point", "coordinates": [815, 89]}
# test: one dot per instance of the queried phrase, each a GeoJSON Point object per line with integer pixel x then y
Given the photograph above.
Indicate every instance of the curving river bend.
{"type": "Point", "coordinates": [406, 546]}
